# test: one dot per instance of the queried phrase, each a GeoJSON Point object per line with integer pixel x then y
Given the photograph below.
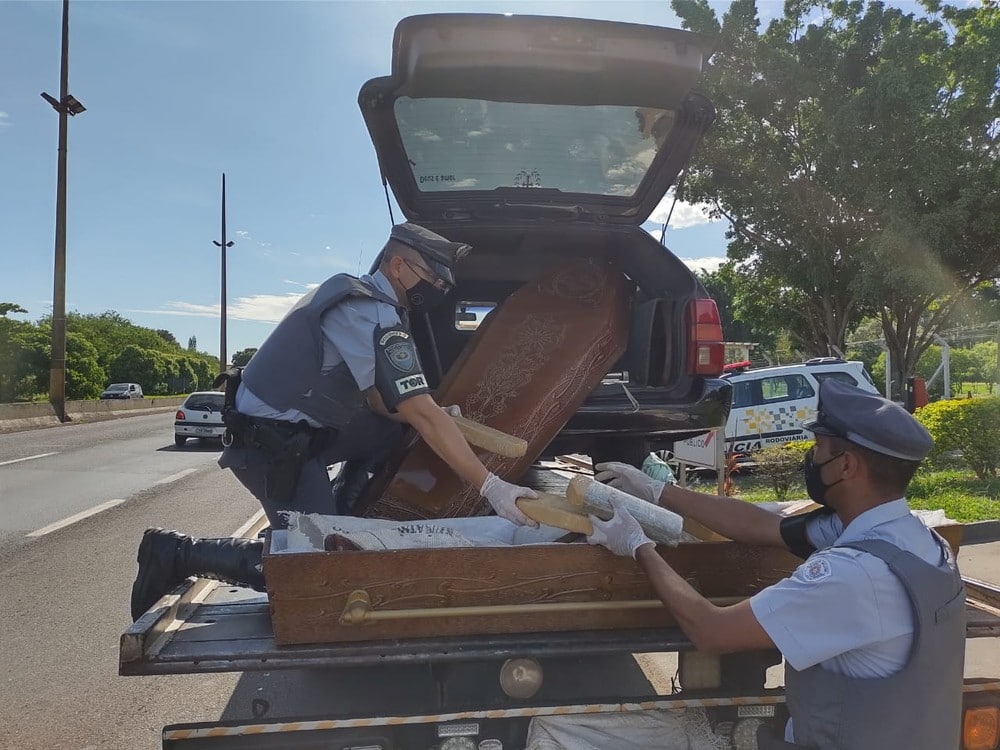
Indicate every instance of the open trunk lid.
{"type": "Point", "coordinates": [535, 117]}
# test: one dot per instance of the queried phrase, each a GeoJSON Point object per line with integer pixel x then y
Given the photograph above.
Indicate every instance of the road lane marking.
{"type": "Point", "coordinates": [175, 477]}
{"type": "Point", "coordinates": [73, 519]}
{"type": "Point", "coordinates": [27, 458]}
{"type": "Point", "coordinates": [254, 519]}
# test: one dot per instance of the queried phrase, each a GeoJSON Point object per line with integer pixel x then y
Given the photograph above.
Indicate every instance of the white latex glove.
{"type": "Point", "coordinates": [631, 480]}
{"type": "Point", "coordinates": [453, 411]}
{"type": "Point", "coordinates": [503, 497]}
{"type": "Point", "coordinates": [621, 534]}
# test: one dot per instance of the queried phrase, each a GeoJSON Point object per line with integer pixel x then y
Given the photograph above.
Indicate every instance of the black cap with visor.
{"type": "Point", "coordinates": [868, 420]}
{"type": "Point", "coordinates": [439, 253]}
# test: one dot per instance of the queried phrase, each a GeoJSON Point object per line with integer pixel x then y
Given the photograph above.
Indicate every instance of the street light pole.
{"type": "Point", "coordinates": [223, 362]}
{"type": "Point", "coordinates": [66, 106]}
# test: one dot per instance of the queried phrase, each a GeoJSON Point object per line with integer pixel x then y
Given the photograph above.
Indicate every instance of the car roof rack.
{"type": "Point", "coordinates": [825, 361]}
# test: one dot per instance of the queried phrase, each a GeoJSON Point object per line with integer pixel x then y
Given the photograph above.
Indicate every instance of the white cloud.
{"type": "Point", "coordinates": [263, 308]}
{"type": "Point", "coordinates": [4, 119]}
{"type": "Point", "coordinates": [685, 214]}
{"type": "Point", "coordinates": [709, 264]}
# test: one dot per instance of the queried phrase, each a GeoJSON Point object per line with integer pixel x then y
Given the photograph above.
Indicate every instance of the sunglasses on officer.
{"type": "Point", "coordinates": [424, 274]}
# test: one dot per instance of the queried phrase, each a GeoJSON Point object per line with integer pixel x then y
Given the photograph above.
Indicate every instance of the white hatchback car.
{"type": "Point", "coordinates": [200, 416]}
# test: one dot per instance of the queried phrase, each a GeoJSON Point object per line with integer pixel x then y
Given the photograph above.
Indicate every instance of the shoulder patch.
{"type": "Point", "coordinates": [401, 356]}
{"type": "Point", "coordinates": [815, 570]}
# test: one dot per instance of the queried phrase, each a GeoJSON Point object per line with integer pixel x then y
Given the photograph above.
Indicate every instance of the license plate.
{"type": "Point", "coordinates": [203, 430]}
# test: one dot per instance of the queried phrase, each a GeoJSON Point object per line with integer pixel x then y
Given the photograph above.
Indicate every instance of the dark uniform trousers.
{"type": "Point", "coordinates": [367, 436]}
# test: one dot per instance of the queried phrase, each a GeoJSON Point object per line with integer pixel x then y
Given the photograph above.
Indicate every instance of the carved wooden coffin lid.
{"type": "Point", "coordinates": [526, 371]}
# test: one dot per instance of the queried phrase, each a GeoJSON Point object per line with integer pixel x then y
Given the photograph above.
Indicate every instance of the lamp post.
{"type": "Point", "coordinates": [223, 363]}
{"type": "Point", "coordinates": [67, 106]}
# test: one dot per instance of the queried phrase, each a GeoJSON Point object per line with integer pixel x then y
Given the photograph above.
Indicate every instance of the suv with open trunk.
{"type": "Point", "coordinates": [540, 141]}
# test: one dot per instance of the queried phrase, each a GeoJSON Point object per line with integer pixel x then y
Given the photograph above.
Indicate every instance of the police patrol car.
{"type": "Point", "coordinates": [770, 404]}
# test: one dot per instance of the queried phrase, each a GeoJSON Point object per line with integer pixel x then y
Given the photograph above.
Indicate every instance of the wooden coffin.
{"type": "Point", "coordinates": [322, 597]}
{"type": "Point", "coordinates": [526, 371]}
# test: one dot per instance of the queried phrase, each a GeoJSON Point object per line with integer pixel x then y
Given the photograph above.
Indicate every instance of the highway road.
{"type": "Point", "coordinates": [64, 592]}
{"type": "Point", "coordinates": [74, 501]}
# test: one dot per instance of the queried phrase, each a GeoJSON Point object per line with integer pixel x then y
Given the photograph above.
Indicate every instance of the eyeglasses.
{"type": "Point", "coordinates": [435, 281]}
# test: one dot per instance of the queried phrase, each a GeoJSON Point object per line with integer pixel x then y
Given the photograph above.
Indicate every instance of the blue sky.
{"type": "Point", "coordinates": [179, 92]}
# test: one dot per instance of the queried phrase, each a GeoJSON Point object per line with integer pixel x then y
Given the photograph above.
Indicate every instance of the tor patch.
{"type": "Point", "coordinates": [816, 570]}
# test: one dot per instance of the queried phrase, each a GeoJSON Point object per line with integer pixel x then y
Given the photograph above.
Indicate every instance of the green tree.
{"type": "Point", "coordinates": [10, 307]}
{"type": "Point", "coordinates": [243, 356]}
{"type": "Point", "coordinates": [735, 295]}
{"type": "Point", "coordinates": [85, 378]}
{"type": "Point", "coordinates": [855, 159]}
{"type": "Point", "coordinates": [167, 336]}
{"type": "Point", "coordinates": [29, 367]}
{"type": "Point", "coordinates": [111, 334]}
{"type": "Point", "coordinates": [146, 367]}
{"type": "Point", "coordinates": [11, 332]}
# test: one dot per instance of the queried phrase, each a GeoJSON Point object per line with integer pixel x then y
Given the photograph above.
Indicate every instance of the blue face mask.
{"type": "Point", "coordinates": [813, 474]}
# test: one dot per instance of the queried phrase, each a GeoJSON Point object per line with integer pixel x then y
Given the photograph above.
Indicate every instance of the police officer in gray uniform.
{"type": "Point", "coordinates": [872, 624]}
{"type": "Point", "coordinates": [335, 381]}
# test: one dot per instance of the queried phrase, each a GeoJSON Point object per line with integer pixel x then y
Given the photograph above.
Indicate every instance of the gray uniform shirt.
{"type": "Point", "coordinates": [844, 609]}
{"type": "Point", "coordinates": [348, 333]}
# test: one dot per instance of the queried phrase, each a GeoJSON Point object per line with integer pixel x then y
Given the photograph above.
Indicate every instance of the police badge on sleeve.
{"type": "Point", "coordinates": [398, 373]}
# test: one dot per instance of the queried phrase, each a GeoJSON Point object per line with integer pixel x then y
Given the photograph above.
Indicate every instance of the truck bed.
{"type": "Point", "coordinates": [210, 627]}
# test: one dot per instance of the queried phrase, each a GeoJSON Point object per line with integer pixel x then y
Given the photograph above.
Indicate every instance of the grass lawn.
{"type": "Point", "coordinates": [959, 494]}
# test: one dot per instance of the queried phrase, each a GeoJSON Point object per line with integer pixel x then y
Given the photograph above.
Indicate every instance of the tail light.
{"type": "Point", "coordinates": [706, 351]}
{"type": "Point", "coordinates": [981, 728]}
{"type": "Point", "coordinates": [179, 416]}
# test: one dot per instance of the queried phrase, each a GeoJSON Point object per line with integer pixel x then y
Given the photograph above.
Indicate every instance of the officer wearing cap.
{"type": "Point", "coordinates": [872, 624]}
{"type": "Point", "coordinates": [334, 382]}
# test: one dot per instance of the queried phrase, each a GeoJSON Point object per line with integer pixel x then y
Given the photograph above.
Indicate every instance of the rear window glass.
{"type": "Point", "coordinates": [840, 377]}
{"type": "Point", "coordinates": [477, 145]}
{"type": "Point", "coordinates": [742, 394]}
{"type": "Point", "coordinates": [785, 388]}
{"type": "Point", "coordinates": [205, 402]}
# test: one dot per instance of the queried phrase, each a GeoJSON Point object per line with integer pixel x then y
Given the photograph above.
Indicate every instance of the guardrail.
{"type": "Point", "coordinates": [15, 417]}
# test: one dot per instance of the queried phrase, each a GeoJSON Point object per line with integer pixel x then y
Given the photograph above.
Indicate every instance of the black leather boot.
{"type": "Point", "coordinates": [166, 558]}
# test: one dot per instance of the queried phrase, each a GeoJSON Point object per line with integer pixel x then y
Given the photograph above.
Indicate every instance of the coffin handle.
{"type": "Point", "coordinates": [358, 609]}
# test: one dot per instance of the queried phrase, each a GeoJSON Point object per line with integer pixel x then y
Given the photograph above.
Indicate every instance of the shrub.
{"type": "Point", "coordinates": [965, 431]}
{"type": "Point", "coordinates": [782, 465]}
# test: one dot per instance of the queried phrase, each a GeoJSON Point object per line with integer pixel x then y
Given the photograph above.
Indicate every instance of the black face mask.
{"type": "Point", "coordinates": [812, 472]}
{"type": "Point", "coordinates": [424, 296]}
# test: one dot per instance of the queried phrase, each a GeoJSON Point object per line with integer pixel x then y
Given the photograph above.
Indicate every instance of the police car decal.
{"type": "Point", "coordinates": [412, 383]}
{"type": "Point", "coordinates": [776, 418]}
